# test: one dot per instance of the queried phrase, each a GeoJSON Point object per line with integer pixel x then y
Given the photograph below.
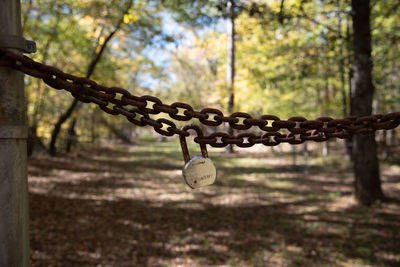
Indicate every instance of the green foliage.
{"type": "Point", "coordinates": [291, 59]}
{"type": "Point", "coordinates": [69, 33]}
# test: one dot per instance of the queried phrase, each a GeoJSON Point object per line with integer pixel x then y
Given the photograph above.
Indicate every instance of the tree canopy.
{"type": "Point", "coordinates": [292, 57]}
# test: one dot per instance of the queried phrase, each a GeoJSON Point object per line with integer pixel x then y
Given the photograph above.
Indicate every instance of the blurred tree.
{"type": "Point", "coordinates": [101, 44]}
{"type": "Point", "coordinates": [230, 79]}
{"type": "Point", "coordinates": [203, 13]}
{"type": "Point", "coordinates": [366, 166]}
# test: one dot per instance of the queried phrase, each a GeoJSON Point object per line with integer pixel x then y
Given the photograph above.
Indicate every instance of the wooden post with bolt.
{"type": "Point", "coordinates": [14, 215]}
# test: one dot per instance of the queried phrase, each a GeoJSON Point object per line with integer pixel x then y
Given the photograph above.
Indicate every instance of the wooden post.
{"type": "Point", "coordinates": [14, 216]}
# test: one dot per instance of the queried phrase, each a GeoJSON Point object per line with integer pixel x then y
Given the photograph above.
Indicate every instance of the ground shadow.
{"type": "Point", "coordinates": [126, 208]}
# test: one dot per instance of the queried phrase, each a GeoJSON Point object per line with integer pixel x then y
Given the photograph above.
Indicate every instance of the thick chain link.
{"type": "Point", "coordinates": [137, 109]}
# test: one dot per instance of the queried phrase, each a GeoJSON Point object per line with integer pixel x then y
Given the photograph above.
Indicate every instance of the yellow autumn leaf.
{"type": "Point", "coordinates": [126, 18]}
{"type": "Point", "coordinates": [101, 40]}
{"type": "Point", "coordinates": [131, 18]}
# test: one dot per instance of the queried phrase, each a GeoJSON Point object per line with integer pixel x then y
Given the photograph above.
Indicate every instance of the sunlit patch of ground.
{"type": "Point", "coordinates": [129, 206]}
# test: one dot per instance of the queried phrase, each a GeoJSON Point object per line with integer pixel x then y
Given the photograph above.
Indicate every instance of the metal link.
{"type": "Point", "coordinates": [220, 135]}
{"type": "Point", "coordinates": [133, 101]}
{"type": "Point", "coordinates": [243, 126]}
{"type": "Point", "coordinates": [138, 108]}
{"type": "Point", "coordinates": [207, 111]}
{"type": "Point", "coordinates": [142, 121]}
{"type": "Point", "coordinates": [147, 99]}
{"type": "Point", "coordinates": [126, 113]}
{"type": "Point", "coordinates": [186, 107]}
{"type": "Point", "coordinates": [167, 132]}
{"type": "Point", "coordinates": [270, 139]}
{"type": "Point", "coordinates": [165, 109]}
{"type": "Point", "coordinates": [297, 129]}
{"type": "Point", "coordinates": [196, 114]}
{"type": "Point", "coordinates": [250, 139]}
{"type": "Point", "coordinates": [269, 128]}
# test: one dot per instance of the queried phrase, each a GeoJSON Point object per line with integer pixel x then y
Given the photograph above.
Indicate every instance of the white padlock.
{"type": "Point", "coordinates": [198, 171]}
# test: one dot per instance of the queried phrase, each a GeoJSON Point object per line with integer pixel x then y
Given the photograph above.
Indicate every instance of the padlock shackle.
{"type": "Point", "coordinates": [185, 150]}
{"type": "Point", "coordinates": [182, 139]}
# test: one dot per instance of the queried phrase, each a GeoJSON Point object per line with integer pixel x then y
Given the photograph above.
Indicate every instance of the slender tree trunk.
{"type": "Point", "coordinates": [349, 142]}
{"type": "Point", "coordinates": [366, 166]}
{"type": "Point", "coordinates": [342, 73]}
{"type": "Point", "coordinates": [57, 127]}
{"type": "Point", "coordinates": [294, 157]}
{"type": "Point", "coordinates": [342, 62]}
{"type": "Point", "coordinates": [230, 79]}
{"type": "Point", "coordinates": [71, 136]}
{"type": "Point", "coordinates": [325, 102]}
{"type": "Point", "coordinates": [389, 137]}
{"type": "Point", "coordinates": [97, 53]}
{"type": "Point", "coordinates": [306, 156]}
{"type": "Point", "coordinates": [93, 128]}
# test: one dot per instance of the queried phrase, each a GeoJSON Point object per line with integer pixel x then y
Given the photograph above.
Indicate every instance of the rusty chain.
{"type": "Point", "coordinates": [137, 109]}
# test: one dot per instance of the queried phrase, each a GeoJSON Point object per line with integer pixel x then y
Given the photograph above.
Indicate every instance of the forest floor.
{"type": "Point", "coordinates": [128, 206]}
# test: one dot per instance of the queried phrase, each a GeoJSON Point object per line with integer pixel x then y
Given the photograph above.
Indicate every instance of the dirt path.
{"type": "Point", "coordinates": [129, 207]}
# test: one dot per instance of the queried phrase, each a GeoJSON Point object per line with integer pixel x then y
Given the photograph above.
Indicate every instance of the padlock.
{"type": "Point", "coordinates": [198, 171]}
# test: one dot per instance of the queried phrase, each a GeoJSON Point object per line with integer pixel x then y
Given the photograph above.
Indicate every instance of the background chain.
{"type": "Point", "coordinates": [137, 109]}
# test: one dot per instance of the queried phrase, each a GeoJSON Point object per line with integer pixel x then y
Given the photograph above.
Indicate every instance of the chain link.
{"type": "Point", "coordinates": [137, 110]}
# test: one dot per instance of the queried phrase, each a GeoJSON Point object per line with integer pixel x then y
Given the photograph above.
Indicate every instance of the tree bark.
{"type": "Point", "coordinates": [97, 53]}
{"type": "Point", "coordinates": [230, 79]}
{"type": "Point", "coordinates": [71, 136]}
{"type": "Point", "coordinates": [366, 165]}
{"type": "Point", "coordinates": [57, 127]}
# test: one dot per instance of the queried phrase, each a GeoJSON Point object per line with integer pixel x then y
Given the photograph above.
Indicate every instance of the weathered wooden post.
{"type": "Point", "coordinates": [14, 216]}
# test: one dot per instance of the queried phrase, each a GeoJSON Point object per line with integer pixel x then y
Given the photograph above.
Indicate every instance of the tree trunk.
{"type": "Point", "coordinates": [306, 156]}
{"type": "Point", "coordinates": [34, 141]}
{"type": "Point", "coordinates": [71, 136]}
{"type": "Point", "coordinates": [93, 127]}
{"type": "Point", "coordinates": [366, 166]}
{"type": "Point", "coordinates": [57, 127]}
{"type": "Point", "coordinates": [325, 149]}
{"type": "Point", "coordinates": [126, 139]}
{"type": "Point", "coordinates": [349, 142]}
{"type": "Point", "coordinates": [230, 79]}
{"type": "Point", "coordinates": [390, 136]}
{"type": "Point", "coordinates": [342, 62]}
